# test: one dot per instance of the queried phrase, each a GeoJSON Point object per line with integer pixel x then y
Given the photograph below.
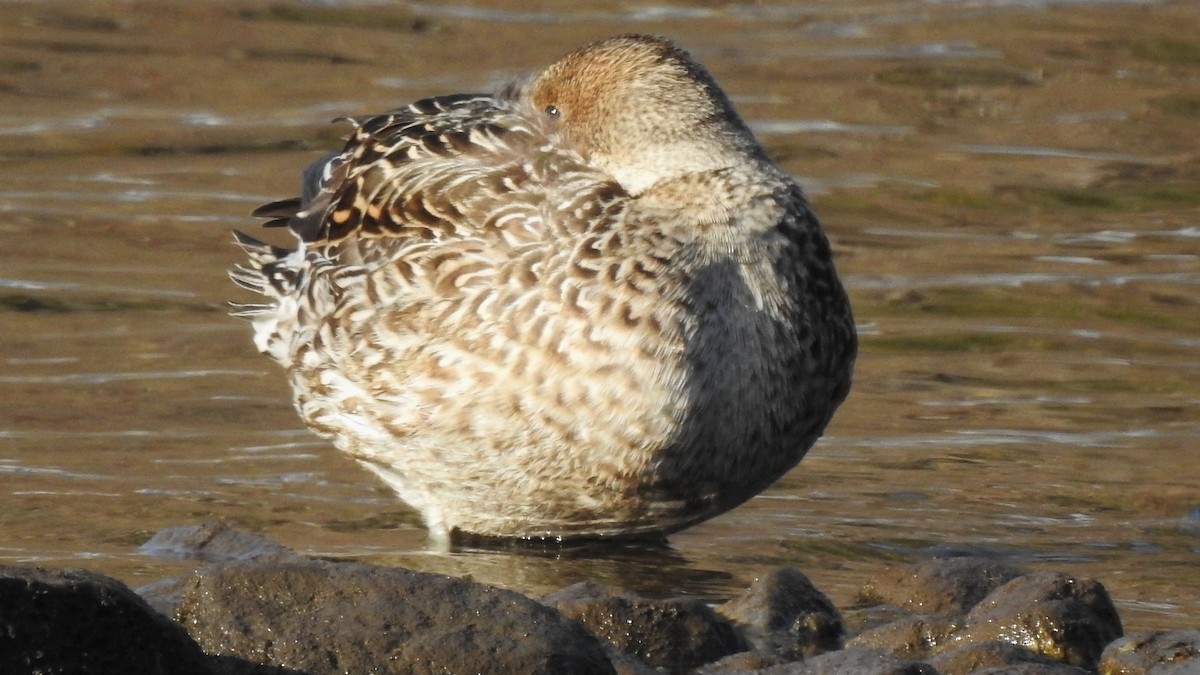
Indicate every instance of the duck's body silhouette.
{"type": "Point", "coordinates": [587, 305]}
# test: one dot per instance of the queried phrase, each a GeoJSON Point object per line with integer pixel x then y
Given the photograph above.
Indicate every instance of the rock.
{"type": "Point", "coordinates": [1173, 652]}
{"type": "Point", "coordinates": [852, 661]}
{"type": "Point", "coordinates": [208, 542]}
{"type": "Point", "coordinates": [321, 617]}
{"type": "Point", "coordinates": [626, 664]}
{"type": "Point", "coordinates": [784, 614]}
{"type": "Point", "coordinates": [164, 595]}
{"type": "Point", "coordinates": [939, 586]}
{"type": "Point", "coordinates": [214, 542]}
{"type": "Point", "coordinates": [74, 621]}
{"type": "Point", "coordinates": [1054, 668]}
{"type": "Point", "coordinates": [858, 617]}
{"type": "Point", "coordinates": [1063, 618]}
{"type": "Point", "coordinates": [231, 665]}
{"type": "Point", "coordinates": [988, 655]}
{"type": "Point", "coordinates": [741, 662]}
{"type": "Point", "coordinates": [264, 610]}
{"type": "Point", "coordinates": [1068, 619]}
{"type": "Point", "coordinates": [675, 635]}
{"type": "Point", "coordinates": [913, 637]}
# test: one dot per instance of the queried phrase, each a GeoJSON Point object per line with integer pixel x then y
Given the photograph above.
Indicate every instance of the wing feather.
{"type": "Point", "coordinates": [426, 171]}
{"type": "Point", "coordinates": [446, 194]}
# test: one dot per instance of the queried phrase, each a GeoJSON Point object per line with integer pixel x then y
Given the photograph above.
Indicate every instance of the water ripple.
{"type": "Point", "coordinates": [104, 378]}
{"type": "Point", "coordinates": [1060, 153]}
{"type": "Point", "coordinates": [12, 468]}
{"type": "Point", "coordinates": [1039, 400]}
{"type": "Point", "coordinates": [640, 13]}
{"type": "Point", "coordinates": [769, 127]}
{"type": "Point", "coordinates": [1017, 279]}
{"type": "Point", "coordinates": [160, 434]}
{"type": "Point", "coordinates": [33, 285]}
{"type": "Point", "coordinates": [965, 438]}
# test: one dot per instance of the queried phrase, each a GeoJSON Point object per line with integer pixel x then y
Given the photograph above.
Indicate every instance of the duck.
{"type": "Point", "coordinates": [585, 305]}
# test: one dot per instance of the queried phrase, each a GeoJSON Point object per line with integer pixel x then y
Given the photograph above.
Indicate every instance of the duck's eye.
{"type": "Point", "coordinates": [552, 110]}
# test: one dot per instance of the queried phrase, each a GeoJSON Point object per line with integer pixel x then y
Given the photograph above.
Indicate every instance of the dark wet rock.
{"type": "Point", "coordinates": [851, 661]}
{"type": "Point", "coordinates": [939, 586]}
{"type": "Point", "coordinates": [1068, 619]}
{"type": "Point", "coordinates": [674, 635]}
{"type": "Point", "coordinates": [214, 542]}
{"type": "Point", "coordinates": [231, 665]}
{"type": "Point", "coordinates": [913, 637]}
{"type": "Point", "coordinates": [784, 614]}
{"type": "Point", "coordinates": [742, 662]}
{"type": "Point", "coordinates": [74, 621]}
{"type": "Point", "coordinates": [988, 655]}
{"type": "Point", "coordinates": [1173, 652]}
{"type": "Point", "coordinates": [320, 617]}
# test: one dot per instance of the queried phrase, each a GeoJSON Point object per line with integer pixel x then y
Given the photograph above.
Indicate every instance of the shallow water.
{"type": "Point", "coordinates": [1012, 189]}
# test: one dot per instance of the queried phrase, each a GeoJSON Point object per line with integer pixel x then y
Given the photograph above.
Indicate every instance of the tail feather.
{"type": "Point", "coordinates": [250, 275]}
{"type": "Point", "coordinates": [247, 310]}
{"type": "Point", "coordinates": [276, 273]}
{"type": "Point", "coordinates": [249, 278]}
{"type": "Point", "coordinates": [270, 271]}
{"type": "Point", "coordinates": [259, 251]}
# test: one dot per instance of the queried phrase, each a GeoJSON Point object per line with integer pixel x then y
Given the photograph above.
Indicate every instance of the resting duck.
{"type": "Point", "coordinates": [587, 305]}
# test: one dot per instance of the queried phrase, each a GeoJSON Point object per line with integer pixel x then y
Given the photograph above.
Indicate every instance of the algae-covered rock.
{"type": "Point", "coordinates": [981, 656]}
{"type": "Point", "coordinates": [1068, 619]}
{"type": "Point", "coordinates": [913, 637]}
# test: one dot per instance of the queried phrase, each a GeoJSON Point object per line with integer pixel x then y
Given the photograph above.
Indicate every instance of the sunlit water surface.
{"type": "Point", "coordinates": [1012, 189]}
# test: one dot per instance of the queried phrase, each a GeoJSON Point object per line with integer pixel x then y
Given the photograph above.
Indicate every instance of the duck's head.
{"type": "Point", "coordinates": [640, 109]}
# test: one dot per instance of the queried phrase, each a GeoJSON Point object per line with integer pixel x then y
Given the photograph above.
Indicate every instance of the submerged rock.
{"type": "Point", "coordinates": [1171, 652]}
{"type": "Point", "coordinates": [784, 614]}
{"type": "Point", "coordinates": [675, 635]}
{"type": "Point", "coordinates": [214, 542]}
{"type": "Point", "coordinates": [939, 586]}
{"type": "Point", "coordinates": [320, 617]}
{"type": "Point", "coordinates": [73, 621]}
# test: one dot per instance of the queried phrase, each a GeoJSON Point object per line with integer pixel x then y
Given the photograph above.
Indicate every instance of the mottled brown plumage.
{"type": "Point", "coordinates": [585, 305]}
